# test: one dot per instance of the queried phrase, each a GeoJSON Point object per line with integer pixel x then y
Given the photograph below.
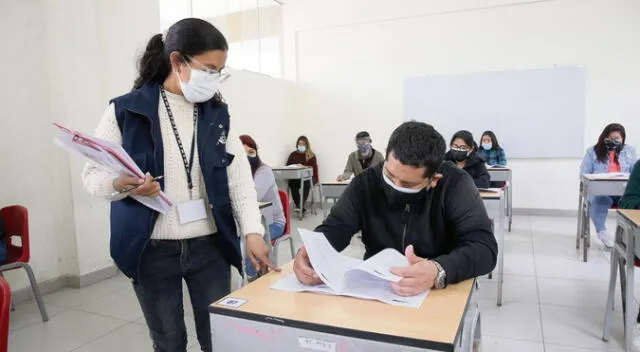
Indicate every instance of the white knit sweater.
{"type": "Point", "coordinates": [241, 186]}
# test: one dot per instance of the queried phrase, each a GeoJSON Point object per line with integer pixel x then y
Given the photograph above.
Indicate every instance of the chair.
{"type": "Point", "coordinates": [16, 222]}
{"type": "Point", "coordinates": [286, 235]}
{"type": "Point", "coordinates": [5, 306]}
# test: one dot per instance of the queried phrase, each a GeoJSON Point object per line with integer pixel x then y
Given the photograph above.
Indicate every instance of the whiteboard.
{"type": "Point", "coordinates": [537, 113]}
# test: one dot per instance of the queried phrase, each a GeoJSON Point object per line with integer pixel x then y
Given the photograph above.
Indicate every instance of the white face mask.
{"type": "Point", "coordinates": [302, 148]}
{"type": "Point", "coordinates": [201, 87]}
{"type": "Point", "coordinates": [400, 189]}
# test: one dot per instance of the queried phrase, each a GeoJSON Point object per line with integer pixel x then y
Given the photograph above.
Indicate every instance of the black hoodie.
{"type": "Point", "coordinates": [475, 167]}
{"type": "Point", "coordinates": [449, 225]}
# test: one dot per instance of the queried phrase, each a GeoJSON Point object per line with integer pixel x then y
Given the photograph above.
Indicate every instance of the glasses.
{"type": "Point", "coordinates": [221, 74]}
{"type": "Point", "coordinates": [462, 148]}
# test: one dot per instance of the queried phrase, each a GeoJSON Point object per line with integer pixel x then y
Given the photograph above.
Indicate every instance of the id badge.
{"type": "Point", "coordinates": [193, 210]}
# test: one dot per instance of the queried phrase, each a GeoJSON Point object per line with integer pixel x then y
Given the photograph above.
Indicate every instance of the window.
{"type": "Point", "coordinates": [253, 29]}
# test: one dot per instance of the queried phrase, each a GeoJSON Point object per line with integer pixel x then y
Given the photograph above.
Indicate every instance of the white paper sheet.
{"type": "Point", "coordinates": [108, 157]}
{"type": "Point", "coordinates": [346, 276]}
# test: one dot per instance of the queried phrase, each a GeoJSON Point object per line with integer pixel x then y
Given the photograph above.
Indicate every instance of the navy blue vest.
{"type": "Point", "coordinates": [132, 222]}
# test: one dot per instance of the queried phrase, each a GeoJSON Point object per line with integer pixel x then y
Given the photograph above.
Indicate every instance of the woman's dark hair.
{"type": "Point", "coordinates": [601, 149]}
{"type": "Point", "coordinates": [189, 37]}
{"type": "Point", "coordinates": [467, 137]}
{"type": "Point", "coordinates": [494, 141]}
{"type": "Point", "coordinates": [417, 144]}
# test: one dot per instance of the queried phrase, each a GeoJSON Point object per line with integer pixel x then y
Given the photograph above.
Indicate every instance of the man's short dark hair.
{"type": "Point", "coordinates": [362, 135]}
{"type": "Point", "coordinates": [417, 144]}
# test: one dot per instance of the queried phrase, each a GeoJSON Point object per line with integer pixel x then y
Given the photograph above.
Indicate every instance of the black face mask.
{"type": "Point", "coordinates": [612, 144]}
{"type": "Point", "coordinates": [255, 162]}
{"type": "Point", "coordinates": [396, 197]}
{"type": "Point", "coordinates": [459, 155]}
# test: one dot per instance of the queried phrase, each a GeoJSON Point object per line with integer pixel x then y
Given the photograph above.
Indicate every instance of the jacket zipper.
{"type": "Point", "coordinates": [407, 216]}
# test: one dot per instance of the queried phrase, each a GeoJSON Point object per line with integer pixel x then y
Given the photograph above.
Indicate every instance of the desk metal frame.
{"type": "Point", "coordinates": [504, 174]}
{"type": "Point", "coordinates": [590, 186]}
{"type": "Point", "coordinates": [303, 174]}
{"type": "Point", "coordinates": [622, 259]}
{"type": "Point", "coordinates": [496, 202]}
{"type": "Point", "coordinates": [331, 190]}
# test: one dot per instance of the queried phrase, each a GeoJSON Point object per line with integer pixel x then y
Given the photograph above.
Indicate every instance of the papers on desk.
{"type": "Point", "coordinates": [345, 276]}
{"type": "Point", "coordinates": [608, 176]}
{"type": "Point", "coordinates": [496, 166]}
{"type": "Point", "coordinates": [109, 157]}
{"type": "Point", "coordinates": [294, 166]}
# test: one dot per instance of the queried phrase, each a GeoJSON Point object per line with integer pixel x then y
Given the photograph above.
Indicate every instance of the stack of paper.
{"type": "Point", "coordinates": [609, 175]}
{"type": "Point", "coordinates": [346, 276]}
{"type": "Point", "coordinates": [109, 157]}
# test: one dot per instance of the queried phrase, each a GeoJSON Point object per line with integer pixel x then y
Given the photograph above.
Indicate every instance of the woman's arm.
{"type": "Point", "coordinates": [242, 190]}
{"type": "Point", "coordinates": [98, 182]}
{"type": "Point", "coordinates": [482, 180]}
{"type": "Point", "coordinates": [586, 167]}
{"type": "Point", "coordinates": [313, 162]}
{"type": "Point", "coordinates": [502, 157]}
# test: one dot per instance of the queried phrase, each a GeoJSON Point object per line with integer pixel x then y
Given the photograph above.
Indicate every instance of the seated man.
{"type": "Point", "coordinates": [416, 203]}
{"type": "Point", "coordinates": [362, 158]}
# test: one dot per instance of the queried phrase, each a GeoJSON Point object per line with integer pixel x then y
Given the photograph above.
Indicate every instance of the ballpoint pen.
{"type": "Point", "coordinates": [129, 189]}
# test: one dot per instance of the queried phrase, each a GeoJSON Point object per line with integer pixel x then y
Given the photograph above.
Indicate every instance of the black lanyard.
{"type": "Point", "coordinates": [188, 164]}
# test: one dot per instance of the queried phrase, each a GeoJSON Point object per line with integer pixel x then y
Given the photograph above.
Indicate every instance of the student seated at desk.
{"type": "Point", "coordinates": [304, 156]}
{"type": "Point", "coordinates": [362, 158]}
{"type": "Point", "coordinates": [631, 200]}
{"type": "Point", "coordinates": [491, 151]}
{"type": "Point", "coordinates": [631, 197]}
{"type": "Point", "coordinates": [463, 154]}
{"type": "Point", "coordinates": [428, 209]}
{"type": "Point", "coordinates": [267, 191]}
{"type": "Point", "coordinates": [610, 154]}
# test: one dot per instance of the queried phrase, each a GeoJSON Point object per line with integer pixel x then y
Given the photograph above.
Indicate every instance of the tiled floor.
{"type": "Point", "coordinates": [553, 301]}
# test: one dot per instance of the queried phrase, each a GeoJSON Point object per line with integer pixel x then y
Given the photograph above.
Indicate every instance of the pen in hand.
{"type": "Point", "coordinates": [129, 189]}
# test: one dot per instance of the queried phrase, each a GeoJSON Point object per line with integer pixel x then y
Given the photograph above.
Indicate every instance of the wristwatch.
{"type": "Point", "coordinates": [441, 277]}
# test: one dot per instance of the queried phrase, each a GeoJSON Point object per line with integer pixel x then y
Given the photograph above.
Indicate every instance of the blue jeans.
{"type": "Point", "coordinates": [599, 207]}
{"type": "Point", "coordinates": [164, 264]}
{"type": "Point", "coordinates": [276, 230]}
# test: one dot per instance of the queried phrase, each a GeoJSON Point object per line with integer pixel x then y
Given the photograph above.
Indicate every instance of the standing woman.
{"type": "Point", "coordinates": [175, 124]}
{"type": "Point", "coordinates": [303, 155]}
{"type": "Point", "coordinates": [610, 154]}
{"type": "Point", "coordinates": [491, 151]}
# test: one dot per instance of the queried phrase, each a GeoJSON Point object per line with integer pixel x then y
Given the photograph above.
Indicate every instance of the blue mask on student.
{"type": "Point", "coordinates": [487, 146]}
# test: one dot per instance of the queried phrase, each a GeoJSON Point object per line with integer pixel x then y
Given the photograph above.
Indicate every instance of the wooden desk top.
{"type": "Point", "coordinates": [633, 215]}
{"type": "Point", "coordinates": [434, 325]}
{"type": "Point", "coordinates": [598, 177]}
{"type": "Point", "coordinates": [501, 168]}
{"type": "Point", "coordinates": [291, 168]}
{"type": "Point", "coordinates": [490, 195]}
{"type": "Point", "coordinates": [336, 183]}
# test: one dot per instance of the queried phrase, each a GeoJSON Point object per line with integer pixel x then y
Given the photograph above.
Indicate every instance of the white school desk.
{"type": "Point", "coordinates": [594, 185]}
{"type": "Point", "coordinates": [331, 190]}
{"type": "Point", "coordinates": [504, 174]}
{"type": "Point", "coordinates": [627, 244]}
{"type": "Point", "coordinates": [495, 204]}
{"type": "Point", "coordinates": [279, 321]}
{"type": "Point", "coordinates": [296, 173]}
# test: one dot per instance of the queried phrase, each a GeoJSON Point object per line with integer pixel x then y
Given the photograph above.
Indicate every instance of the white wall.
{"type": "Point", "coordinates": [67, 58]}
{"type": "Point", "coordinates": [350, 59]}
{"type": "Point", "coordinates": [263, 107]}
